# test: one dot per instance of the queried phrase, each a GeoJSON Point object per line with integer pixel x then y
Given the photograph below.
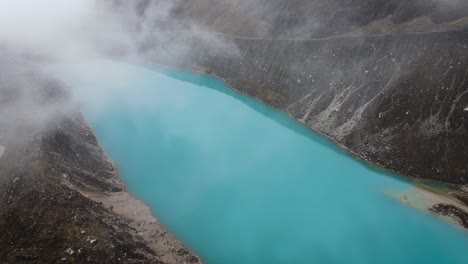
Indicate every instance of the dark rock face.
{"type": "Point", "coordinates": [451, 211]}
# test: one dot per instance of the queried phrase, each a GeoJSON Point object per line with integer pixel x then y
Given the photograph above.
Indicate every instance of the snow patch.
{"type": "Point", "coordinates": [466, 109]}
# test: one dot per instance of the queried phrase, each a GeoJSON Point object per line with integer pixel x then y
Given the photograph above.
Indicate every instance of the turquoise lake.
{"type": "Point", "coordinates": [239, 182]}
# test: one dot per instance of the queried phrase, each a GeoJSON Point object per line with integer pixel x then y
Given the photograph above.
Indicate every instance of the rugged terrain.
{"type": "Point", "coordinates": [61, 198]}
{"type": "Point", "coordinates": [384, 79]}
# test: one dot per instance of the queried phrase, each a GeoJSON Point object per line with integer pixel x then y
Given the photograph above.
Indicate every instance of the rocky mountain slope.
{"type": "Point", "coordinates": [373, 76]}
{"type": "Point", "coordinates": [61, 200]}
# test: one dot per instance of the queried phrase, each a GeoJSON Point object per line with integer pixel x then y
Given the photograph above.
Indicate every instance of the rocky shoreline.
{"type": "Point", "coordinates": [443, 202]}
{"type": "Point", "coordinates": [460, 216]}
{"type": "Point", "coordinates": [62, 200]}
{"type": "Point", "coordinates": [54, 212]}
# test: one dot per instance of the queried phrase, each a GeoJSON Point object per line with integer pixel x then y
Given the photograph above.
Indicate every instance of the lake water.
{"type": "Point", "coordinates": [241, 183]}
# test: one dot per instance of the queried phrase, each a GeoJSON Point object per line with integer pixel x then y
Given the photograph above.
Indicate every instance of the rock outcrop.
{"type": "Point", "coordinates": [451, 211]}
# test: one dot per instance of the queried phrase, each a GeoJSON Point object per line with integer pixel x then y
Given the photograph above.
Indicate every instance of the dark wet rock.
{"type": "Point", "coordinates": [451, 211]}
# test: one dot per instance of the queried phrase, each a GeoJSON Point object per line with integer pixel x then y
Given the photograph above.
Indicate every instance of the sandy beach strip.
{"type": "Point", "coordinates": [424, 198]}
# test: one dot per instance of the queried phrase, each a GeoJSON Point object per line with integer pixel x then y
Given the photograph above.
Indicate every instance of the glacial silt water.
{"type": "Point", "coordinates": [239, 182]}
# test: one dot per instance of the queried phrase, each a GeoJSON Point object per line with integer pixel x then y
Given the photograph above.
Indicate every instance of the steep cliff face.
{"type": "Point", "coordinates": [61, 200]}
{"type": "Point", "coordinates": [396, 100]}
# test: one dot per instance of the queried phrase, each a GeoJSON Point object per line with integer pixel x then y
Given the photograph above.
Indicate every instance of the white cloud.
{"type": "Point", "coordinates": [37, 21]}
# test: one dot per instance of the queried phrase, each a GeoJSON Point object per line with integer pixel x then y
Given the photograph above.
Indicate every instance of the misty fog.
{"type": "Point", "coordinates": [34, 34]}
{"type": "Point", "coordinates": [69, 31]}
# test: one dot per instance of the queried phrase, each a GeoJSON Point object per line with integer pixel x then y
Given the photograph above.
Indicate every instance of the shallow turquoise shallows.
{"type": "Point", "coordinates": [241, 183]}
